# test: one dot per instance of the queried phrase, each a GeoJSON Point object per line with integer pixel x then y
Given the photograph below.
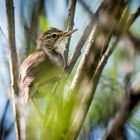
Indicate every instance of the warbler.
{"type": "Point", "coordinates": [45, 65]}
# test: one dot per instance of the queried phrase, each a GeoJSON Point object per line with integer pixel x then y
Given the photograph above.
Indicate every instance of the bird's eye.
{"type": "Point", "coordinates": [53, 35]}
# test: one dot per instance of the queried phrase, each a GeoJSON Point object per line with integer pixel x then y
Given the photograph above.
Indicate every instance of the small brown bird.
{"type": "Point", "coordinates": [42, 67]}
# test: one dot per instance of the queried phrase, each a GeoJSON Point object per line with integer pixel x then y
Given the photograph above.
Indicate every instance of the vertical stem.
{"type": "Point", "coordinates": [13, 62]}
{"type": "Point", "coordinates": [70, 24]}
{"type": "Point", "coordinates": [12, 46]}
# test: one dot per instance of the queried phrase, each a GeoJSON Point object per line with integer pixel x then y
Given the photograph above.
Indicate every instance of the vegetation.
{"type": "Point", "coordinates": [98, 95]}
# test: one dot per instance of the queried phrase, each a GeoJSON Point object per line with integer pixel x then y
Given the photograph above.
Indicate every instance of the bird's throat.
{"type": "Point", "coordinates": [54, 56]}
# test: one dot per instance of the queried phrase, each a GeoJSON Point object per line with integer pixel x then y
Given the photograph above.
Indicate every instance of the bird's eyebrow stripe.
{"type": "Point", "coordinates": [49, 35]}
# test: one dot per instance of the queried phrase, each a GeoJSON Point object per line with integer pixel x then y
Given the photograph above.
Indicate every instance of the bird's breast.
{"type": "Point", "coordinates": [38, 69]}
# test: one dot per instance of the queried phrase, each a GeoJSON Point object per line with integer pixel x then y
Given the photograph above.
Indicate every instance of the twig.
{"type": "Point", "coordinates": [128, 102]}
{"type": "Point", "coordinates": [2, 128]}
{"type": "Point", "coordinates": [70, 24]}
{"type": "Point", "coordinates": [87, 98]}
{"type": "Point", "coordinates": [37, 11]}
{"type": "Point", "coordinates": [87, 8]}
{"type": "Point", "coordinates": [31, 33]}
{"type": "Point", "coordinates": [104, 59]}
{"type": "Point", "coordinates": [81, 68]}
{"type": "Point", "coordinates": [77, 81]}
{"type": "Point", "coordinates": [135, 41]}
{"type": "Point", "coordinates": [79, 46]}
{"type": "Point", "coordinates": [88, 85]}
{"type": "Point", "coordinates": [135, 16]}
{"type": "Point", "coordinates": [87, 77]}
{"type": "Point", "coordinates": [115, 31]}
{"type": "Point", "coordinates": [9, 130]}
{"type": "Point", "coordinates": [13, 63]}
{"type": "Point", "coordinates": [12, 45]}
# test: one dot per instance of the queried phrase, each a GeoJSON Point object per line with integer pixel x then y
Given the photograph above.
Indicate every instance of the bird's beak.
{"type": "Point", "coordinates": [68, 33]}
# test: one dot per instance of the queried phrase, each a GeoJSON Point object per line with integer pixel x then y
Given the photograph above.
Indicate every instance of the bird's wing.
{"type": "Point", "coordinates": [37, 72]}
{"type": "Point", "coordinates": [29, 67]}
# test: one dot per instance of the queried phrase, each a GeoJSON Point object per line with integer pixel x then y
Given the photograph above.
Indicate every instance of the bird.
{"type": "Point", "coordinates": [44, 66]}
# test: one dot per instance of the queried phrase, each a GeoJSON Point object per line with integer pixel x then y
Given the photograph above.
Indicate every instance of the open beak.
{"type": "Point", "coordinates": [68, 33]}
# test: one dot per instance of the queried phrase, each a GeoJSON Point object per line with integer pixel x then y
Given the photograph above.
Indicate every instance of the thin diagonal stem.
{"type": "Point", "coordinates": [83, 40]}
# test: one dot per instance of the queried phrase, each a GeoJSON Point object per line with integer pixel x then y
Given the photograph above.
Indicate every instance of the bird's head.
{"type": "Point", "coordinates": [54, 39]}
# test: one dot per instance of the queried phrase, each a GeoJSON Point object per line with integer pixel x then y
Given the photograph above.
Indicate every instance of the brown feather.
{"type": "Point", "coordinates": [35, 71]}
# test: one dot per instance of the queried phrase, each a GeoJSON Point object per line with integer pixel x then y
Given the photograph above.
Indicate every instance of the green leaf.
{"type": "Point", "coordinates": [43, 23]}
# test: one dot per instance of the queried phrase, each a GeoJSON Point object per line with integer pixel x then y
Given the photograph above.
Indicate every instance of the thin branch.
{"type": "Point", "coordinates": [115, 31]}
{"type": "Point", "coordinates": [31, 34]}
{"type": "Point", "coordinates": [79, 46]}
{"type": "Point", "coordinates": [2, 127]}
{"type": "Point", "coordinates": [76, 83]}
{"type": "Point", "coordinates": [86, 81]}
{"type": "Point", "coordinates": [94, 20]}
{"type": "Point", "coordinates": [12, 45]}
{"type": "Point", "coordinates": [104, 59]}
{"type": "Point", "coordinates": [9, 130]}
{"type": "Point", "coordinates": [83, 63]}
{"type": "Point", "coordinates": [86, 7]}
{"type": "Point", "coordinates": [37, 11]}
{"type": "Point", "coordinates": [134, 40]}
{"type": "Point", "coordinates": [82, 41]}
{"type": "Point", "coordinates": [88, 84]}
{"type": "Point", "coordinates": [70, 24]}
{"type": "Point", "coordinates": [87, 98]}
{"type": "Point", "coordinates": [128, 102]}
{"type": "Point", "coordinates": [13, 63]}
{"type": "Point", "coordinates": [135, 16]}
